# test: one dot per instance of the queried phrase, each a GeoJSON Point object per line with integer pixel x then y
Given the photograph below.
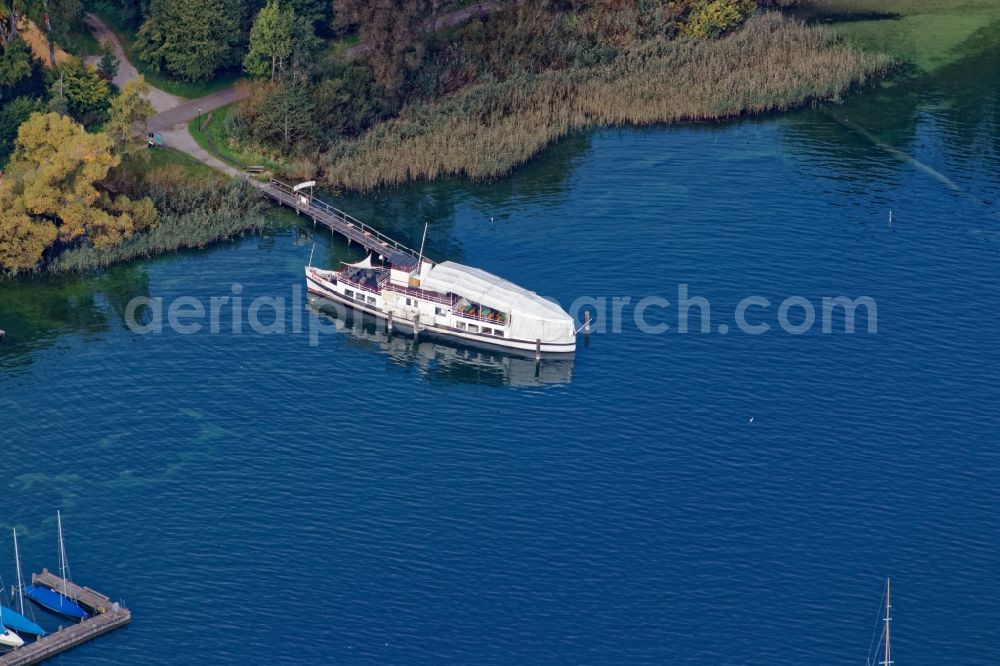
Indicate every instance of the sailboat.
{"type": "Point", "coordinates": [15, 620]}
{"type": "Point", "coordinates": [8, 637]}
{"type": "Point", "coordinates": [50, 600]}
{"type": "Point", "coordinates": [884, 639]}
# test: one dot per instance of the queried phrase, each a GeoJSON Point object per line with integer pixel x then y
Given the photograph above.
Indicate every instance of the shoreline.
{"type": "Point", "coordinates": [486, 130]}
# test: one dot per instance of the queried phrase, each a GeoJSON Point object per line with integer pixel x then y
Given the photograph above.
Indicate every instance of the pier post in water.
{"type": "Point", "coordinates": [389, 324]}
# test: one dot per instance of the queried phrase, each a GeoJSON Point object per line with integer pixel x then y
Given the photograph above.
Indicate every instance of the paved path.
{"type": "Point", "coordinates": [126, 71]}
{"type": "Point", "coordinates": [174, 113]}
{"type": "Point", "coordinates": [186, 111]}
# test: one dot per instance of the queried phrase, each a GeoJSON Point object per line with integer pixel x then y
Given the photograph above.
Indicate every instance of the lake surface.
{"type": "Point", "coordinates": [673, 498]}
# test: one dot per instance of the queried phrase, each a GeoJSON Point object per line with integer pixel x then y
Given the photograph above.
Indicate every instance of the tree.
{"type": "Point", "coordinates": [58, 103]}
{"type": "Point", "coordinates": [86, 94]}
{"type": "Point", "coordinates": [190, 39]}
{"type": "Point", "coordinates": [714, 18]}
{"type": "Point", "coordinates": [49, 193]}
{"type": "Point", "coordinates": [15, 63]}
{"type": "Point", "coordinates": [108, 66]}
{"type": "Point", "coordinates": [281, 115]}
{"type": "Point", "coordinates": [396, 30]}
{"type": "Point", "coordinates": [12, 114]}
{"type": "Point", "coordinates": [270, 41]}
{"type": "Point", "coordinates": [129, 113]}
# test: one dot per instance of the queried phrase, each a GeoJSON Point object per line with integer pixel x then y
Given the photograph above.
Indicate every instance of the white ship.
{"type": "Point", "coordinates": [449, 300]}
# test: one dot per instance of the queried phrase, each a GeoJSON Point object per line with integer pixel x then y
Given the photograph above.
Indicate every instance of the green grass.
{"type": "Point", "coordinates": [156, 158]}
{"type": "Point", "coordinates": [210, 133]}
{"type": "Point", "coordinates": [929, 34]}
{"type": "Point", "coordinates": [338, 46]}
{"type": "Point", "coordinates": [81, 43]}
{"type": "Point", "coordinates": [185, 89]}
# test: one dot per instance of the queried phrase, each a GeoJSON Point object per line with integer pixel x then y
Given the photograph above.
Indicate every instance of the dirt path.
{"type": "Point", "coordinates": [160, 100]}
{"type": "Point", "coordinates": [174, 113]}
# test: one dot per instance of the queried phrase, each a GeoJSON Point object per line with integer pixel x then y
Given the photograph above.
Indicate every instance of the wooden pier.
{"type": "Point", "coordinates": [340, 222]}
{"type": "Point", "coordinates": [107, 616]}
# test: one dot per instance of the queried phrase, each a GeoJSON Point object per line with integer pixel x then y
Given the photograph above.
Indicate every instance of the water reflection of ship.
{"type": "Point", "coordinates": [447, 361]}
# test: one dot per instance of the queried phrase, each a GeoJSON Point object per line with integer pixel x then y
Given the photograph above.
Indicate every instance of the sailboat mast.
{"type": "Point", "coordinates": [888, 605]}
{"type": "Point", "coordinates": [62, 552]}
{"type": "Point", "coordinates": [20, 581]}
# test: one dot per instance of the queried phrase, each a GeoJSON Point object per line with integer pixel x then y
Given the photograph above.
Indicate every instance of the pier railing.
{"type": "Point", "coordinates": [351, 227]}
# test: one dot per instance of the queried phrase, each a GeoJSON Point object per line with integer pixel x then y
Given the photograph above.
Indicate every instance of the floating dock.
{"type": "Point", "coordinates": [340, 222]}
{"type": "Point", "coordinates": [107, 616]}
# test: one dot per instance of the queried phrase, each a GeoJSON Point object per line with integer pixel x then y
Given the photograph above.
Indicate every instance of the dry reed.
{"type": "Point", "coordinates": [485, 130]}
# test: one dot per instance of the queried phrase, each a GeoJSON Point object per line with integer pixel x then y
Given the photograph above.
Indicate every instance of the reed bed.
{"type": "Point", "coordinates": [193, 218]}
{"type": "Point", "coordinates": [485, 130]}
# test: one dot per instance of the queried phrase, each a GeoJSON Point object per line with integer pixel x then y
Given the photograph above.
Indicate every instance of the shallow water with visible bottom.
{"type": "Point", "coordinates": [662, 498]}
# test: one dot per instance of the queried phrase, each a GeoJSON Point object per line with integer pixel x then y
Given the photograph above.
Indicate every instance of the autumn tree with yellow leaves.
{"type": "Point", "coordinates": [50, 195]}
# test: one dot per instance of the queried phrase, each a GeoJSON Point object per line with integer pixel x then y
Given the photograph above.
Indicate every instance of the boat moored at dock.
{"type": "Point", "coordinates": [449, 300]}
{"type": "Point", "coordinates": [446, 300]}
{"type": "Point", "coordinates": [51, 600]}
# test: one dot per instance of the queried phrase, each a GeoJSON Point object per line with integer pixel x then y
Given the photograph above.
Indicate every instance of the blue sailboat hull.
{"type": "Point", "coordinates": [17, 622]}
{"type": "Point", "coordinates": [52, 601]}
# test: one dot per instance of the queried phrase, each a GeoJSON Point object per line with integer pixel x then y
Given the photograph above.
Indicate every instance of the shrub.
{"type": "Point", "coordinates": [713, 18]}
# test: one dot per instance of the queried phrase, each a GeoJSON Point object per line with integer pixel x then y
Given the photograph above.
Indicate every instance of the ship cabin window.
{"type": "Point", "coordinates": [409, 302]}
{"type": "Point", "coordinates": [487, 331]}
{"type": "Point", "coordinates": [473, 328]}
{"type": "Point", "coordinates": [472, 310]}
{"type": "Point", "coordinates": [498, 333]}
{"type": "Point", "coordinates": [349, 293]}
{"type": "Point", "coordinates": [371, 300]}
{"type": "Point", "coordinates": [360, 297]}
{"type": "Point", "coordinates": [440, 312]}
{"type": "Point", "coordinates": [461, 325]}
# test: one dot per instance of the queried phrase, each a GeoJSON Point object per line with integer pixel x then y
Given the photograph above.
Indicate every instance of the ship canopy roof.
{"type": "Point", "coordinates": [364, 263]}
{"type": "Point", "coordinates": [532, 317]}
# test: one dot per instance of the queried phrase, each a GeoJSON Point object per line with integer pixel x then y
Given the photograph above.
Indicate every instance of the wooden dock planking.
{"type": "Point", "coordinates": [94, 601]}
{"type": "Point", "coordinates": [66, 639]}
{"type": "Point", "coordinates": [108, 616]}
{"type": "Point", "coordinates": [340, 222]}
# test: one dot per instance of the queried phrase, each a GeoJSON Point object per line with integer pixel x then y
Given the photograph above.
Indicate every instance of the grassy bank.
{"type": "Point", "coordinates": [210, 133]}
{"type": "Point", "coordinates": [772, 64]}
{"type": "Point", "coordinates": [928, 34]}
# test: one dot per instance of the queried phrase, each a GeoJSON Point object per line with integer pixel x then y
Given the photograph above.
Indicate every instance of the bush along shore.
{"type": "Point", "coordinates": [772, 64]}
{"type": "Point", "coordinates": [192, 214]}
{"type": "Point", "coordinates": [363, 99]}
{"type": "Point", "coordinates": [478, 98]}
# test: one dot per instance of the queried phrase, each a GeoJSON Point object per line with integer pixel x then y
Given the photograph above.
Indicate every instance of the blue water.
{"type": "Point", "coordinates": [255, 498]}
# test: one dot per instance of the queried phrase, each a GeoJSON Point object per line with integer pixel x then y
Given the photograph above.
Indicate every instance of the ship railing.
{"type": "Point", "coordinates": [434, 297]}
{"type": "Point", "coordinates": [484, 319]}
{"type": "Point", "coordinates": [360, 285]}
